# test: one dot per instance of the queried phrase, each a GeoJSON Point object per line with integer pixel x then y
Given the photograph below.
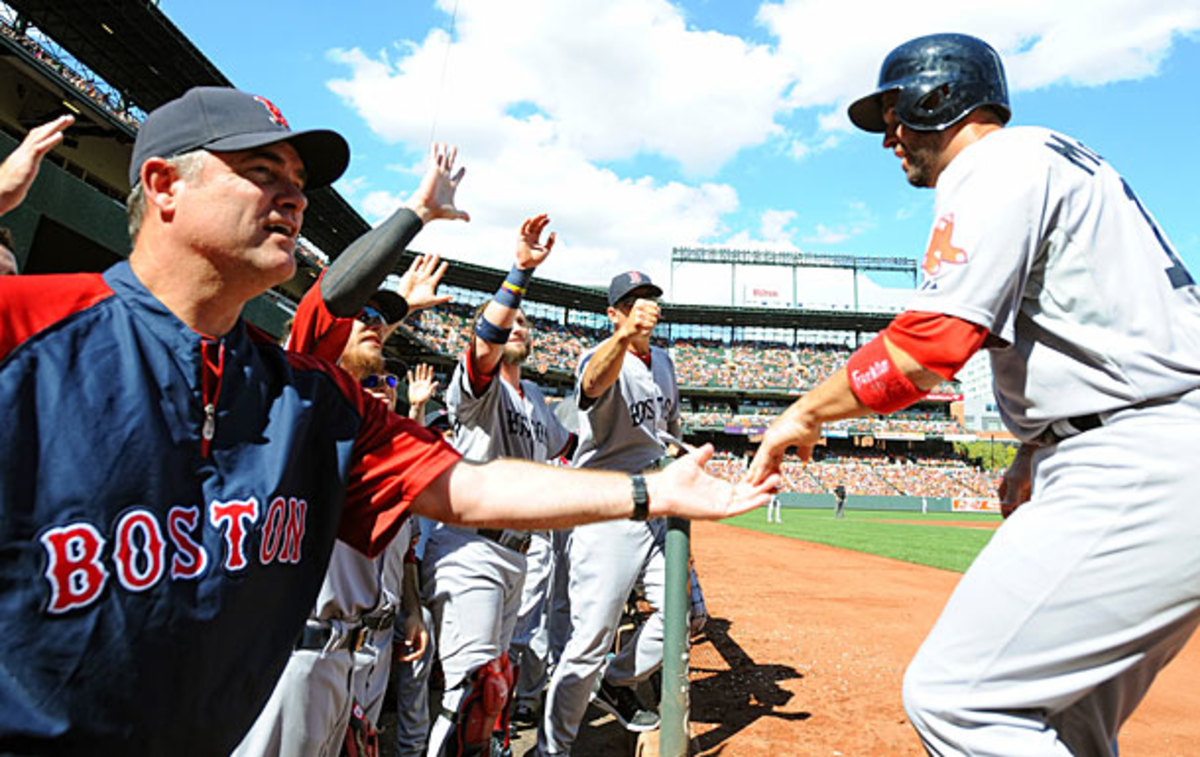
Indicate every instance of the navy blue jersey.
{"type": "Point", "coordinates": [168, 503]}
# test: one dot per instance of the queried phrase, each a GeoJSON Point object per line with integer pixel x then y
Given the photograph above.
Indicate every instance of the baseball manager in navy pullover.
{"type": "Point", "coordinates": [171, 482]}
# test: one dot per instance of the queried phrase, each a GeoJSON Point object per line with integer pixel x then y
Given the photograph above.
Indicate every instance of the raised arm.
{"type": "Point", "coordinates": [496, 322]}
{"type": "Point", "coordinates": [357, 273]}
{"type": "Point", "coordinates": [20, 168]}
{"type": "Point", "coordinates": [421, 388]}
{"type": "Point", "coordinates": [604, 366]}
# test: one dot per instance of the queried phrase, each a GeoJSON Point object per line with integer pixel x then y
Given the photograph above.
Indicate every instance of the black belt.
{"type": "Point", "coordinates": [1068, 427]}
{"type": "Point", "coordinates": [354, 636]}
{"type": "Point", "coordinates": [518, 541]}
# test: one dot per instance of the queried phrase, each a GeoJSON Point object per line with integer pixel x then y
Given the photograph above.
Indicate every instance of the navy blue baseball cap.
{"type": "Point", "coordinates": [223, 119]}
{"type": "Point", "coordinates": [624, 284]}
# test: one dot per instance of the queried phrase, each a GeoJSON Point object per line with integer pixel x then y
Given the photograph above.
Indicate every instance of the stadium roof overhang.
{"type": "Point", "coordinates": [138, 51]}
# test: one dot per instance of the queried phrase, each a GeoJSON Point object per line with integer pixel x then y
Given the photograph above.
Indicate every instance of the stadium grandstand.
{"type": "Point", "coordinates": [108, 62]}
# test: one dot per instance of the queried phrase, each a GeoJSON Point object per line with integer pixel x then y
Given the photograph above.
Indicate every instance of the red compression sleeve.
{"type": "Point", "coordinates": [877, 381]}
{"type": "Point", "coordinates": [940, 343]}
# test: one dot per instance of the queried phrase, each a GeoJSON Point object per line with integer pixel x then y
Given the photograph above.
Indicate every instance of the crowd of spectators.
{"type": "Point", "coordinates": [874, 473]}
{"type": "Point", "coordinates": [698, 363]}
{"type": "Point", "coordinates": [85, 82]}
{"type": "Point", "coordinates": [755, 365]}
{"type": "Point", "coordinates": [927, 424]}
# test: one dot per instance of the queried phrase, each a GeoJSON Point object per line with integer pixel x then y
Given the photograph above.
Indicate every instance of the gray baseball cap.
{"type": "Point", "coordinates": [223, 119]}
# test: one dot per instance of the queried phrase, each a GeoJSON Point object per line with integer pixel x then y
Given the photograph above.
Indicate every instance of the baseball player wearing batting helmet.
{"type": "Point", "coordinates": [1042, 254]}
{"type": "Point", "coordinates": [627, 398]}
{"type": "Point", "coordinates": [165, 543]}
{"type": "Point", "coordinates": [473, 577]}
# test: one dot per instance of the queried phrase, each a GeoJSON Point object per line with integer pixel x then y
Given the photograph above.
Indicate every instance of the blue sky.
{"type": "Point", "coordinates": [639, 125]}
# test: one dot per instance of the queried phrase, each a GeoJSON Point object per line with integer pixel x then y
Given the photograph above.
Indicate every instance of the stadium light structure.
{"type": "Point", "coordinates": [794, 260]}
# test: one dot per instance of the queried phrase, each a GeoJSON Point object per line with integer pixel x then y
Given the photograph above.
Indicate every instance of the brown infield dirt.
{"type": "Point", "coordinates": [807, 646]}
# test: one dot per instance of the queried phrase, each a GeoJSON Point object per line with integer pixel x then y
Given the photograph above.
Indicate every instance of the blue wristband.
{"type": "Point", "coordinates": [490, 332]}
{"type": "Point", "coordinates": [512, 290]}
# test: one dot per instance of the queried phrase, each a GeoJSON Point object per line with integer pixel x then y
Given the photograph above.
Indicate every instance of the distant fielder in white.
{"type": "Point", "coordinates": [775, 510]}
{"type": "Point", "coordinates": [1042, 254]}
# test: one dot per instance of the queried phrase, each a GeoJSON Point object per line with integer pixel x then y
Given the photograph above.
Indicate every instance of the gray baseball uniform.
{"type": "Point", "coordinates": [531, 642]}
{"type": "Point", "coordinates": [473, 584]}
{"type": "Point", "coordinates": [619, 431]}
{"type": "Point", "coordinates": [309, 709]}
{"type": "Point", "coordinates": [412, 677]}
{"type": "Point", "coordinates": [1057, 630]}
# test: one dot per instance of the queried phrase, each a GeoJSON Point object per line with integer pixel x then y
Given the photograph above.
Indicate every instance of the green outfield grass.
{"type": "Point", "coordinates": [946, 547]}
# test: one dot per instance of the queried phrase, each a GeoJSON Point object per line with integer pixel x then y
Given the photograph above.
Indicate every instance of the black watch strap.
{"type": "Point", "coordinates": [641, 500]}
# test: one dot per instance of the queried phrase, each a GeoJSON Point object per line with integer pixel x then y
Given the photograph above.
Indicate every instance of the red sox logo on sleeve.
{"type": "Point", "coordinates": [941, 251]}
{"type": "Point", "coordinates": [142, 554]}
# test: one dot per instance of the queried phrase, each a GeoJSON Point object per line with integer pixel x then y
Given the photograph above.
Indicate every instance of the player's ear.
{"type": "Point", "coordinates": [159, 184]}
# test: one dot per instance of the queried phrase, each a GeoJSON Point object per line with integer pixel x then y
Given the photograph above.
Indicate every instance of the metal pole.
{"type": "Point", "coordinates": [675, 734]}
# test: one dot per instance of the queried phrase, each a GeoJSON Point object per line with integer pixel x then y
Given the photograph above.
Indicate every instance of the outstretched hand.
{"type": "Point", "coordinates": [784, 432]}
{"type": "Point", "coordinates": [421, 384]}
{"type": "Point", "coordinates": [434, 197]}
{"type": "Point", "coordinates": [418, 286]}
{"type": "Point", "coordinates": [20, 168]}
{"type": "Point", "coordinates": [686, 490]}
{"type": "Point", "coordinates": [531, 251]}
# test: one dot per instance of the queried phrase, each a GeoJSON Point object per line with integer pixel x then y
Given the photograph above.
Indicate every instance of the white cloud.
{"type": "Point", "coordinates": [605, 223]}
{"type": "Point", "coordinates": [775, 223]}
{"type": "Point", "coordinates": [553, 102]}
{"type": "Point", "coordinates": [826, 235]}
{"type": "Point", "coordinates": [608, 80]}
{"type": "Point", "coordinates": [835, 47]}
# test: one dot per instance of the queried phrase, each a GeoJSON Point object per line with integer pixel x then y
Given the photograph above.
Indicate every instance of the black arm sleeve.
{"type": "Point", "coordinates": [357, 273]}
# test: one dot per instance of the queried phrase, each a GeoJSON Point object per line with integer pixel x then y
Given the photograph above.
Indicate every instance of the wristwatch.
{"type": "Point", "coordinates": [641, 500]}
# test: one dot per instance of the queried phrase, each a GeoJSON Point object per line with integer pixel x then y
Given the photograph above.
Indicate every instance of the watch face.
{"type": "Point", "coordinates": [641, 502]}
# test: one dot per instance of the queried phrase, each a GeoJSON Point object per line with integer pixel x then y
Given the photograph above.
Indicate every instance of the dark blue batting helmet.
{"type": "Point", "coordinates": [940, 78]}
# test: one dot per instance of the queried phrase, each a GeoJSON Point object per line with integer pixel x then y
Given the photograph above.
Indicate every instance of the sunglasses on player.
{"type": "Point", "coordinates": [377, 379]}
{"type": "Point", "coordinates": [371, 317]}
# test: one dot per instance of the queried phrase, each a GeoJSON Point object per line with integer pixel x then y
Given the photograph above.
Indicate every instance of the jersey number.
{"type": "Point", "coordinates": [1177, 274]}
{"type": "Point", "coordinates": [1082, 157]}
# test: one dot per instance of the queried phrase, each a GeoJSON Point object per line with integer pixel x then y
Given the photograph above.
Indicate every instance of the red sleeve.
{"type": "Point", "coordinates": [29, 304]}
{"type": "Point", "coordinates": [316, 331]}
{"type": "Point", "coordinates": [395, 460]}
{"type": "Point", "coordinates": [479, 381]}
{"type": "Point", "coordinates": [940, 343]}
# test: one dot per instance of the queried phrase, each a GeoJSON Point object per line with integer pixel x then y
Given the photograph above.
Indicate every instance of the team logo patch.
{"type": "Point", "coordinates": [635, 277]}
{"type": "Point", "coordinates": [274, 112]}
{"type": "Point", "coordinates": [941, 250]}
